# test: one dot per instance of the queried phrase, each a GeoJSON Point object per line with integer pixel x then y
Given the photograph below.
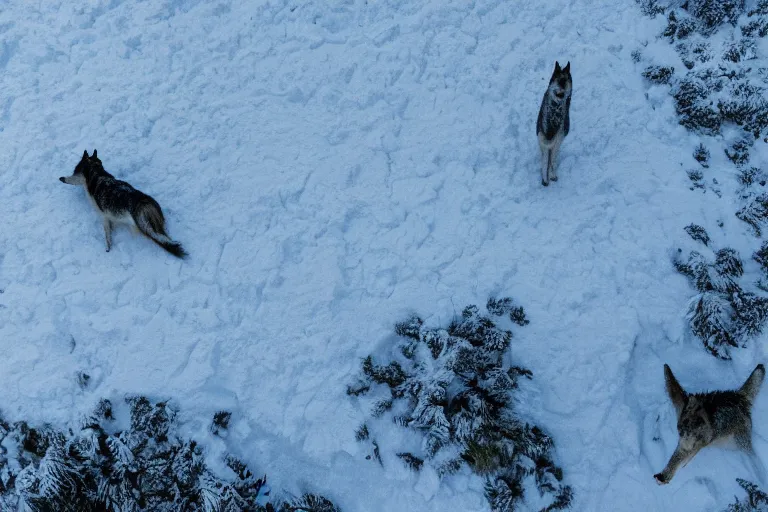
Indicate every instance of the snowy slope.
{"type": "Point", "coordinates": [331, 167]}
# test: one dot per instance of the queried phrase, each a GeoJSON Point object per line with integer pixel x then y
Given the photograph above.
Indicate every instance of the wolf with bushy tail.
{"type": "Point", "coordinates": [118, 202]}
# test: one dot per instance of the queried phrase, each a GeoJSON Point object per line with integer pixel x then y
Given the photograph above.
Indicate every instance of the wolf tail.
{"type": "Point", "coordinates": [751, 387]}
{"type": "Point", "coordinates": [150, 221]}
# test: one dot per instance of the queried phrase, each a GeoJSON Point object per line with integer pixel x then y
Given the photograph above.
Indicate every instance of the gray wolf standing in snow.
{"type": "Point", "coordinates": [554, 120]}
{"type": "Point", "coordinates": [119, 202]}
{"type": "Point", "coordinates": [706, 417]}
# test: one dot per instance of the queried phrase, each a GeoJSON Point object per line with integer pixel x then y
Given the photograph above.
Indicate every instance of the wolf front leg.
{"type": "Point", "coordinates": [108, 233]}
{"type": "Point", "coordinates": [553, 163]}
{"type": "Point", "coordinates": [544, 165]}
{"type": "Point", "coordinates": [678, 459]}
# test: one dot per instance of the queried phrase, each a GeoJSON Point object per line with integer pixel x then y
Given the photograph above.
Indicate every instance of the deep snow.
{"type": "Point", "coordinates": [331, 168]}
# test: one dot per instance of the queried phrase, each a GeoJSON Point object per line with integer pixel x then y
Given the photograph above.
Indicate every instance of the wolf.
{"type": "Point", "coordinates": [554, 120]}
{"type": "Point", "coordinates": [119, 202]}
{"type": "Point", "coordinates": [703, 418]}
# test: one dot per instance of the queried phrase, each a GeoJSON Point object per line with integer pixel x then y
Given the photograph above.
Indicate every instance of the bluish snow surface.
{"type": "Point", "coordinates": [331, 167]}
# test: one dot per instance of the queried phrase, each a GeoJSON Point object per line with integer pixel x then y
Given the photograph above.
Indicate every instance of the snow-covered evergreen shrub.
{"type": "Point", "coordinates": [701, 155]}
{"type": "Point", "coordinates": [455, 386]}
{"type": "Point", "coordinates": [697, 233]}
{"type": "Point", "coordinates": [106, 466]}
{"type": "Point", "coordinates": [751, 175]}
{"type": "Point", "coordinates": [693, 108]}
{"type": "Point", "coordinates": [721, 87]}
{"type": "Point", "coordinates": [756, 501]}
{"type": "Point", "coordinates": [757, 26]}
{"type": "Point", "coordinates": [713, 13]}
{"type": "Point", "coordinates": [755, 213]}
{"type": "Point", "coordinates": [722, 315]}
{"type": "Point", "coordinates": [659, 74]}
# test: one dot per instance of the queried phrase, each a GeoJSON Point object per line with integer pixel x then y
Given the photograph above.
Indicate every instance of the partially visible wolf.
{"type": "Point", "coordinates": [119, 202]}
{"type": "Point", "coordinates": [554, 120]}
{"type": "Point", "coordinates": [706, 417]}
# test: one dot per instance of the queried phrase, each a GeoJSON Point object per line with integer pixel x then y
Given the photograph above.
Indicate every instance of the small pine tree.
{"type": "Point", "coordinates": [756, 501]}
{"type": "Point", "coordinates": [660, 75]}
{"type": "Point", "coordinates": [701, 154]}
{"type": "Point", "coordinates": [739, 152]}
{"type": "Point", "coordinates": [453, 386]}
{"type": "Point", "coordinates": [697, 233]}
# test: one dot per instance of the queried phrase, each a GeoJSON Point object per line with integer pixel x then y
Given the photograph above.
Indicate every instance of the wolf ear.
{"type": "Point", "coordinates": [557, 67]}
{"type": "Point", "coordinates": [567, 68]}
{"type": "Point", "coordinates": [751, 387]}
{"type": "Point", "coordinates": [675, 391]}
{"type": "Point", "coordinates": [85, 154]}
{"type": "Point", "coordinates": [94, 154]}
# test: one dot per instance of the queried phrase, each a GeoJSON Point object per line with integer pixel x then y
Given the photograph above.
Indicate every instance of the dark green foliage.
{"type": "Point", "coordinates": [506, 306]}
{"type": "Point", "coordinates": [696, 177]}
{"type": "Point", "coordinates": [751, 312]}
{"type": "Point", "coordinates": [722, 315]}
{"type": "Point", "coordinates": [455, 387]}
{"type": "Point", "coordinates": [756, 501]}
{"type": "Point", "coordinates": [701, 154]}
{"type": "Point", "coordinates": [309, 503]}
{"type": "Point", "coordinates": [361, 434]}
{"type": "Point", "coordinates": [659, 74]}
{"type": "Point", "coordinates": [391, 374]}
{"type": "Point", "coordinates": [145, 467]}
{"type": "Point", "coordinates": [757, 26]}
{"type": "Point", "coordinates": [220, 422]}
{"type": "Point", "coordinates": [744, 49]}
{"type": "Point", "coordinates": [714, 13]}
{"type": "Point", "coordinates": [410, 328]}
{"type": "Point", "coordinates": [679, 27]}
{"type": "Point", "coordinates": [411, 461]}
{"type": "Point", "coordinates": [751, 175]}
{"type": "Point", "coordinates": [739, 152]}
{"type": "Point", "coordinates": [695, 112]}
{"type": "Point", "coordinates": [747, 107]}
{"type": "Point", "coordinates": [755, 213]}
{"type": "Point", "coordinates": [761, 256]}
{"type": "Point", "coordinates": [728, 263]}
{"type": "Point", "coordinates": [720, 88]}
{"type": "Point", "coordinates": [710, 319]}
{"type": "Point", "coordinates": [697, 233]}
{"type": "Point", "coordinates": [651, 8]}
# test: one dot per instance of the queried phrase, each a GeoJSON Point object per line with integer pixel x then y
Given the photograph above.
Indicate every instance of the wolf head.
{"type": "Point", "coordinates": [692, 420]}
{"type": "Point", "coordinates": [561, 83]}
{"type": "Point", "coordinates": [81, 169]}
{"type": "Point", "coordinates": [704, 417]}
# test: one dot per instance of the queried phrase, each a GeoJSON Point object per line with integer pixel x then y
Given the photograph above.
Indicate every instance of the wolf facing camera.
{"type": "Point", "coordinates": [118, 202]}
{"type": "Point", "coordinates": [554, 120]}
{"type": "Point", "coordinates": [703, 418]}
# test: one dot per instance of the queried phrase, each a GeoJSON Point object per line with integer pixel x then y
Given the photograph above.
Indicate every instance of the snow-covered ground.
{"type": "Point", "coordinates": [332, 167]}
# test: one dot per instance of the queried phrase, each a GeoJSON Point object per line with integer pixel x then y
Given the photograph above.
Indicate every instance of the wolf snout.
{"type": "Point", "coordinates": [660, 479]}
{"type": "Point", "coordinates": [62, 179]}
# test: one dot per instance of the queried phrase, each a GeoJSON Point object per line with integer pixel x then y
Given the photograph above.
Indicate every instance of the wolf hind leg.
{"type": "Point", "coordinates": [108, 233]}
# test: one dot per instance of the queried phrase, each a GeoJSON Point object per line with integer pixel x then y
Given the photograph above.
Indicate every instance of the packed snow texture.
{"type": "Point", "coordinates": [332, 167]}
